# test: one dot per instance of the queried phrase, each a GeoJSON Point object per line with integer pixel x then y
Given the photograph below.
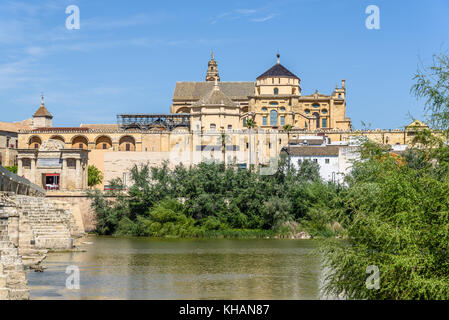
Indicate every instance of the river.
{"type": "Point", "coordinates": [130, 268]}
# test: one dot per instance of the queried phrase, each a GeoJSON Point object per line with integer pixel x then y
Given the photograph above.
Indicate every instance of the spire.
{"type": "Point", "coordinates": [212, 70]}
{"type": "Point", "coordinates": [42, 99]}
{"type": "Point", "coordinates": [216, 87]}
{"type": "Point", "coordinates": [279, 58]}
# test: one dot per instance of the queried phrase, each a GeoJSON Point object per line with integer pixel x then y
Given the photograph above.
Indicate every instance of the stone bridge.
{"type": "Point", "coordinates": [30, 225]}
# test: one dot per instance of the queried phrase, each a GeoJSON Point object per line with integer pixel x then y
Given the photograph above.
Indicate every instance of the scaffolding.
{"type": "Point", "coordinates": [151, 121]}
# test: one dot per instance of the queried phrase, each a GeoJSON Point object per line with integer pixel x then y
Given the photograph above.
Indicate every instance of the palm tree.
{"type": "Point", "coordinates": [250, 124]}
{"type": "Point", "coordinates": [223, 140]}
{"type": "Point", "coordinates": [288, 128]}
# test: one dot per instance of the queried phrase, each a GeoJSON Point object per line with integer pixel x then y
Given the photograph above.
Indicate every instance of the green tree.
{"type": "Point", "coordinates": [12, 169]}
{"type": "Point", "coordinates": [94, 176]}
{"type": "Point", "coordinates": [432, 84]}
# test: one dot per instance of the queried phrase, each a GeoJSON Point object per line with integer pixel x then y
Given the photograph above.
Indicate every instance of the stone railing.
{"type": "Point", "coordinates": [10, 182]}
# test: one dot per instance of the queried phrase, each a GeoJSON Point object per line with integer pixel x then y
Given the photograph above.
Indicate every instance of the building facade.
{"type": "Point", "coordinates": [207, 122]}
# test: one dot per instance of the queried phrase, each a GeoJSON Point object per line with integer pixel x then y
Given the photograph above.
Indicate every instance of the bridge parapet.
{"type": "Point", "coordinates": [10, 182]}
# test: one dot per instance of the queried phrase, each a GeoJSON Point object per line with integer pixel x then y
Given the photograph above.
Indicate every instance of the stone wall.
{"type": "Point", "coordinates": [29, 227]}
{"type": "Point", "coordinates": [13, 283]}
{"type": "Point", "coordinates": [79, 204]}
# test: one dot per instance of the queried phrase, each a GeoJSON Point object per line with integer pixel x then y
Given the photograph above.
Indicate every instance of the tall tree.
{"type": "Point", "coordinates": [432, 84]}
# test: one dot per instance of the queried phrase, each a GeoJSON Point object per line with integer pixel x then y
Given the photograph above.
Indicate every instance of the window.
{"type": "Point", "coordinates": [264, 121]}
{"type": "Point", "coordinates": [269, 145]}
{"type": "Point", "coordinates": [244, 122]}
{"type": "Point", "coordinates": [7, 142]}
{"type": "Point", "coordinates": [36, 146]}
{"type": "Point", "coordinates": [128, 147]}
{"type": "Point", "coordinates": [276, 91]}
{"type": "Point", "coordinates": [339, 96]}
{"type": "Point", "coordinates": [273, 103]}
{"type": "Point", "coordinates": [282, 121]}
{"type": "Point", "coordinates": [324, 123]}
{"type": "Point", "coordinates": [305, 124]}
{"type": "Point", "coordinates": [282, 109]}
{"type": "Point", "coordinates": [230, 127]}
{"type": "Point", "coordinates": [316, 105]}
{"type": "Point", "coordinates": [307, 111]}
{"type": "Point", "coordinates": [213, 126]}
{"type": "Point", "coordinates": [324, 111]}
{"type": "Point", "coordinates": [80, 146]}
{"type": "Point", "coordinates": [273, 118]}
{"type": "Point", "coordinates": [317, 119]}
{"type": "Point", "coordinates": [327, 161]}
{"type": "Point", "coordinates": [105, 146]}
{"type": "Point", "coordinates": [264, 109]}
{"type": "Point", "coordinates": [315, 160]}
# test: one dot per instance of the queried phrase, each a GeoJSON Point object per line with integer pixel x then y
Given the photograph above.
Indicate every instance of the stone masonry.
{"type": "Point", "coordinates": [29, 227]}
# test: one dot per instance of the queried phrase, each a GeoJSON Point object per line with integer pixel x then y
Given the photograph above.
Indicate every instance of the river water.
{"type": "Point", "coordinates": [124, 268]}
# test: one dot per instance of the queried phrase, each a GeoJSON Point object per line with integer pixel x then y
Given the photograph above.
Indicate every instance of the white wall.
{"type": "Point", "coordinates": [338, 166]}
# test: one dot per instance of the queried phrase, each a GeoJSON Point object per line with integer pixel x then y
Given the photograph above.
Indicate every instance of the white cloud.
{"type": "Point", "coordinates": [245, 13]}
{"type": "Point", "coordinates": [263, 19]}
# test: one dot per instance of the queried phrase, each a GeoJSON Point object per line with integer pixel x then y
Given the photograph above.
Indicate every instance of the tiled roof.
{"type": "Point", "coordinates": [42, 112]}
{"type": "Point", "coordinates": [313, 151]}
{"type": "Point", "coordinates": [215, 97]}
{"type": "Point", "coordinates": [278, 70]}
{"type": "Point", "coordinates": [196, 90]}
{"type": "Point", "coordinates": [15, 126]}
{"type": "Point", "coordinates": [54, 129]}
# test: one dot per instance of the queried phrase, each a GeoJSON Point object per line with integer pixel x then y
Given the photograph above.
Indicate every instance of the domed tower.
{"type": "Point", "coordinates": [212, 70]}
{"type": "Point", "coordinates": [42, 118]}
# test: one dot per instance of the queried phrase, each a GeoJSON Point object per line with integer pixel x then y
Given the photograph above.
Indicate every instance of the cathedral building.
{"type": "Point", "coordinates": [232, 122]}
{"type": "Point", "coordinates": [274, 101]}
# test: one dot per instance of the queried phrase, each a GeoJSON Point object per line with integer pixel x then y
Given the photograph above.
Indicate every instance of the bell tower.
{"type": "Point", "coordinates": [212, 70]}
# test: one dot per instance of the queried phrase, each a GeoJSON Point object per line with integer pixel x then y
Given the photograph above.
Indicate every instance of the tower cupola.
{"type": "Point", "coordinates": [42, 118]}
{"type": "Point", "coordinates": [212, 70]}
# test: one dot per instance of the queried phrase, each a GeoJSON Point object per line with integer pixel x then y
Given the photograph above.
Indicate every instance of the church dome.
{"type": "Point", "coordinates": [277, 71]}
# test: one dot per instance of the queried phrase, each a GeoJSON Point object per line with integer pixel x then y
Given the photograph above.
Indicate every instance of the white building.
{"type": "Point", "coordinates": [335, 160]}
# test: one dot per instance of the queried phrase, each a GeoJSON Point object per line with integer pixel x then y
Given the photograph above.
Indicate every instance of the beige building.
{"type": "Point", "coordinates": [53, 167]}
{"type": "Point", "coordinates": [9, 141]}
{"type": "Point", "coordinates": [207, 123]}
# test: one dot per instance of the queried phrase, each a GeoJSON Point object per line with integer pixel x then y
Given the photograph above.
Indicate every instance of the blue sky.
{"type": "Point", "coordinates": [128, 55]}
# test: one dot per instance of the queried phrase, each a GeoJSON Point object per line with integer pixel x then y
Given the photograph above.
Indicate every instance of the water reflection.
{"type": "Point", "coordinates": [183, 269]}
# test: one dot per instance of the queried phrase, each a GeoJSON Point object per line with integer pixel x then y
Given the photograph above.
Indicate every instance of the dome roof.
{"type": "Point", "coordinates": [277, 71]}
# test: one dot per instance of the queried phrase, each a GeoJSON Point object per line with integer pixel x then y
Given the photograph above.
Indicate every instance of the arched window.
{"type": "Point", "coordinates": [80, 142]}
{"type": "Point", "coordinates": [273, 118]}
{"type": "Point", "coordinates": [103, 143]}
{"type": "Point", "coordinates": [316, 105]}
{"type": "Point", "coordinates": [213, 126]}
{"type": "Point", "coordinates": [127, 143]}
{"type": "Point", "coordinates": [34, 142]}
{"type": "Point", "coordinates": [282, 109]}
{"type": "Point", "coordinates": [324, 111]}
{"type": "Point", "coordinates": [307, 111]}
{"type": "Point", "coordinates": [273, 103]}
{"type": "Point", "coordinates": [276, 91]}
{"type": "Point", "coordinates": [317, 117]}
{"type": "Point", "coordinates": [264, 109]}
